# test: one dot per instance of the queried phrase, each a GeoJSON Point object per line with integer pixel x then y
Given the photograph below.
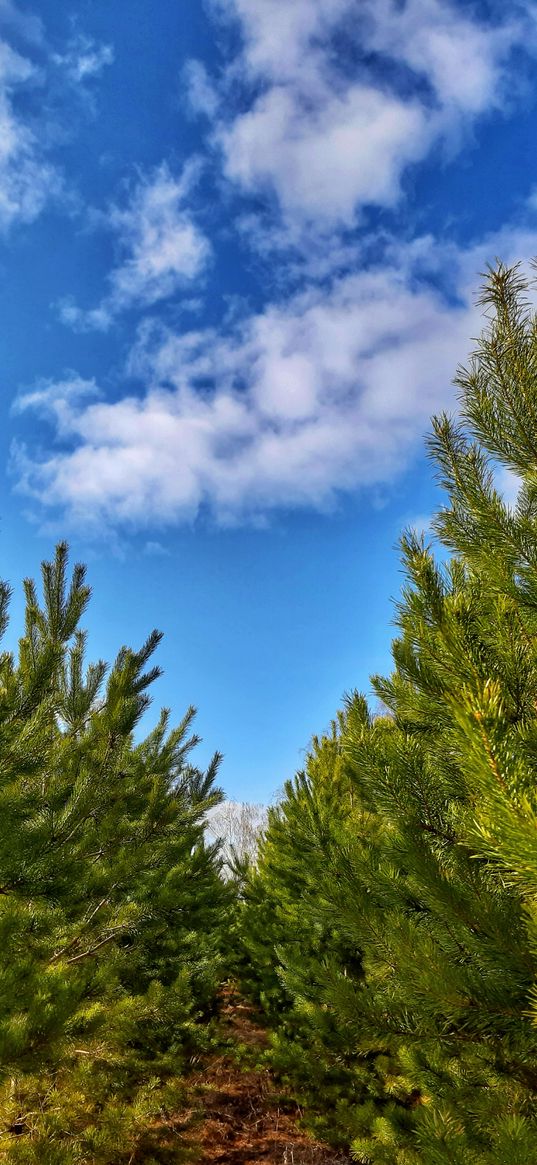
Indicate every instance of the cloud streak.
{"type": "Point", "coordinates": [27, 180]}
{"type": "Point", "coordinates": [84, 58]}
{"type": "Point", "coordinates": [161, 249]}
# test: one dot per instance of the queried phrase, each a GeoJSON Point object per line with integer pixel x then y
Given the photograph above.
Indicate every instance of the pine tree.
{"type": "Point", "coordinates": [438, 899]}
{"type": "Point", "coordinates": [110, 902]}
{"type": "Point", "coordinates": [290, 932]}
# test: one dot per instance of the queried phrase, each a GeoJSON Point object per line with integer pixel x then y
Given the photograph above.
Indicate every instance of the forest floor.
{"type": "Point", "coordinates": [246, 1120]}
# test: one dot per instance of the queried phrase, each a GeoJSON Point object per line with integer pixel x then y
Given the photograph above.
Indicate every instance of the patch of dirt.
{"type": "Point", "coordinates": [245, 1120]}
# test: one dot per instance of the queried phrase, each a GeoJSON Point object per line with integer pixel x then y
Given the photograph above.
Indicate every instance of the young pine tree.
{"type": "Point", "coordinates": [438, 900]}
{"type": "Point", "coordinates": [290, 932]}
{"type": "Point", "coordinates": [111, 904]}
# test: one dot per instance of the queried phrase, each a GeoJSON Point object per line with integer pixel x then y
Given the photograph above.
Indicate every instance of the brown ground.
{"type": "Point", "coordinates": [246, 1122]}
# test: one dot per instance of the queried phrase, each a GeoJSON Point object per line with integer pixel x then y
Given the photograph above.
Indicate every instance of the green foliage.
{"type": "Point", "coordinates": [392, 919]}
{"type": "Point", "coordinates": [111, 903]}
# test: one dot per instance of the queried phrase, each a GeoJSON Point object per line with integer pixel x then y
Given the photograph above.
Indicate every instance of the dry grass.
{"type": "Point", "coordinates": [245, 1121]}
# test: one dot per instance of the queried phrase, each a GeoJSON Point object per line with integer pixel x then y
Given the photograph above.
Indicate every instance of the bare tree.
{"type": "Point", "coordinates": [238, 825]}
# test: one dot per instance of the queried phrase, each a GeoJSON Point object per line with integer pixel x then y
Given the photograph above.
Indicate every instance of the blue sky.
{"type": "Point", "coordinates": [239, 249]}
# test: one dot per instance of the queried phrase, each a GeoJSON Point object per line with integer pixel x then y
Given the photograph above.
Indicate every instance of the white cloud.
{"type": "Point", "coordinates": [328, 392]}
{"type": "Point", "coordinates": [161, 249]}
{"type": "Point", "coordinates": [155, 550]}
{"type": "Point", "coordinates": [57, 398]}
{"type": "Point", "coordinates": [327, 136]}
{"type": "Point", "coordinates": [348, 150]}
{"type": "Point", "coordinates": [462, 59]}
{"type": "Point", "coordinates": [281, 40]}
{"type": "Point", "coordinates": [80, 319]}
{"type": "Point", "coordinates": [27, 180]}
{"type": "Point", "coordinates": [201, 94]}
{"type": "Point", "coordinates": [83, 58]}
{"type": "Point", "coordinates": [25, 24]}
